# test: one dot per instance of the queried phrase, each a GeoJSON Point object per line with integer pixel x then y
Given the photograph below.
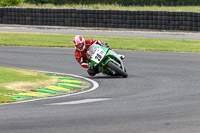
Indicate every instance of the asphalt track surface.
{"type": "Point", "coordinates": [161, 95]}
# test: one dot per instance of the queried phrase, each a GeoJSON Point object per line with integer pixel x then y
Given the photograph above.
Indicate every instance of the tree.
{"type": "Point", "coordinates": [4, 3]}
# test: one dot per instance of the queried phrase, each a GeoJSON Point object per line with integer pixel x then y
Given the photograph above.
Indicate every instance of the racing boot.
{"type": "Point", "coordinates": [93, 71]}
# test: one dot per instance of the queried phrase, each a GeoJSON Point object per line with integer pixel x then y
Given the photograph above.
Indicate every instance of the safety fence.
{"type": "Point", "coordinates": [159, 20]}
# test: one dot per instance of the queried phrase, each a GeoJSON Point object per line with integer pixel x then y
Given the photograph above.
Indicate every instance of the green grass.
{"type": "Point", "coordinates": [27, 39]}
{"type": "Point", "coordinates": [6, 99]}
{"type": "Point", "coordinates": [10, 75]}
{"type": "Point", "coordinates": [126, 43]}
{"type": "Point", "coordinates": [118, 7]}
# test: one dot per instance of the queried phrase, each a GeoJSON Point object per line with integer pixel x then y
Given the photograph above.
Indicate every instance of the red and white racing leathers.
{"type": "Point", "coordinates": [81, 55]}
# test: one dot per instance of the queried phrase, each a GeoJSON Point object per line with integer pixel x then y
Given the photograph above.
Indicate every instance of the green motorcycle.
{"type": "Point", "coordinates": [106, 60]}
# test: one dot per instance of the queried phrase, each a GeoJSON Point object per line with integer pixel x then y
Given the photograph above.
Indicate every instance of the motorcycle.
{"type": "Point", "coordinates": [106, 60]}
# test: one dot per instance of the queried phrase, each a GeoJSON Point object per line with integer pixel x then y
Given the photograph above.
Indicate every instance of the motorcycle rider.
{"type": "Point", "coordinates": [81, 47]}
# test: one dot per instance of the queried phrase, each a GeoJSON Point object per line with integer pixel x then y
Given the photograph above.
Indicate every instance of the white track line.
{"type": "Point", "coordinates": [80, 101]}
{"type": "Point", "coordinates": [95, 86]}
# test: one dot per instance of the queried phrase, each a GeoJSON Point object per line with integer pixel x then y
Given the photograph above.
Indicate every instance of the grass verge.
{"type": "Point", "coordinates": [19, 80]}
{"type": "Point", "coordinates": [126, 43]}
{"type": "Point", "coordinates": [117, 7]}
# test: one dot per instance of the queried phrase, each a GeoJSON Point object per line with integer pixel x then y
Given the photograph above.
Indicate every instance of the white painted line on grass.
{"type": "Point", "coordinates": [94, 87]}
{"type": "Point", "coordinates": [80, 101]}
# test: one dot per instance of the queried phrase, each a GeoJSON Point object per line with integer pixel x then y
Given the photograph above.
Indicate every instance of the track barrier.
{"type": "Point", "coordinates": [158, 20]}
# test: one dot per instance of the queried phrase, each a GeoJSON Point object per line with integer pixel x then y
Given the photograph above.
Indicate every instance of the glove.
{"type": "Point", "coordinates": [103, 44]}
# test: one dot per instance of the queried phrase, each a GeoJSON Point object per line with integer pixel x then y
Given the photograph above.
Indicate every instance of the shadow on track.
{"type": "Point", "coordinates": [104, 77]}
{"type": "Point", "coordinates": [109, 77]}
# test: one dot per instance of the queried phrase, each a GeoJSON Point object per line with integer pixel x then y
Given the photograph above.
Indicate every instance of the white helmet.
{"type": "Point", "coordinates": [79, 42]}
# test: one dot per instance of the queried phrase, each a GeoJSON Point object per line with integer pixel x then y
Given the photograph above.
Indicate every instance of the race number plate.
{"type": "Point", "coordinates": [98, 55]}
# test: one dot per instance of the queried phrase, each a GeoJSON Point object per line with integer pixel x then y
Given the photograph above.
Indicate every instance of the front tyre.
{"type": "Point", "coordinates": [117, 69]}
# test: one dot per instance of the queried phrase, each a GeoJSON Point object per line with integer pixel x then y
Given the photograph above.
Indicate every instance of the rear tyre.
{"type": "Point", "coordinates": [117, 69]}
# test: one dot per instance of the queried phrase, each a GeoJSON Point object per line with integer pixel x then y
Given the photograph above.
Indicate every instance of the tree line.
{"type": "Point", "coordinates": [120, 2]}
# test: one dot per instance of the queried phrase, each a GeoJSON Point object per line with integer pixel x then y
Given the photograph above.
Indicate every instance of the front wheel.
{"type": "Point", "coordinates": [117, 69]}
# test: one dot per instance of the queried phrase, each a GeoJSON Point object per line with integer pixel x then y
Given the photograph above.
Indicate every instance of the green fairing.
{"type": "Point", "coordinates": [111, 53]}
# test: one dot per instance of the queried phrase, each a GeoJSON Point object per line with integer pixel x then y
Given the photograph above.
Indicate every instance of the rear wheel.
{"type": "Point", "coordinates": [117, 69]}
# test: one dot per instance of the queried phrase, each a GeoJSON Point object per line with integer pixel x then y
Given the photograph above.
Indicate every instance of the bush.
{"type": "Point", "coordinates": [4, 3]}
{"type": "Point", "coordinates": [121, 2]}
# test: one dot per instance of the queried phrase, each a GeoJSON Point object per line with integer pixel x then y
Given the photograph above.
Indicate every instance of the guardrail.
{"type": "Point", "coordinates": [159, 20]}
